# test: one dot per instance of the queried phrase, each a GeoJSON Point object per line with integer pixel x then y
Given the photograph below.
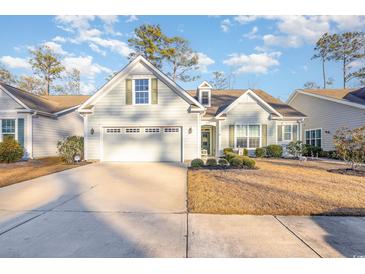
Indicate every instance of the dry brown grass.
{"type": "Point", "coordinates": [26, 170]}
{"type": "Point", "coordinates": [278, 187]}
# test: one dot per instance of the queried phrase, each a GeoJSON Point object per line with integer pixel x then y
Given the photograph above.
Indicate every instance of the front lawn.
{"type": "Point", "coordinates": [26, 170]}
{"type": "Point", "coordinates": [278, 187]}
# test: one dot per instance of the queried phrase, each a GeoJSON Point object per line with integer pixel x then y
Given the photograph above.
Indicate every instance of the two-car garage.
{"type": "Point", "coordinates": [142, 144]}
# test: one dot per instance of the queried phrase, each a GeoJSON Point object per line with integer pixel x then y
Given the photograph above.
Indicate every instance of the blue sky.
{"type": "Point", "coordinates": [268, 52]}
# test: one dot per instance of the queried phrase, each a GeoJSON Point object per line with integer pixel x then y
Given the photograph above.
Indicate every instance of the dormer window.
{"type": "Point", "coordinates": [204, 92]}
{"type": "Point", "coordinates": [205, 98]}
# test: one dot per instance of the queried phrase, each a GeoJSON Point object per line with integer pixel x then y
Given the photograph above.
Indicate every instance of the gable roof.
{"type": "Point", "coordinates": [50, 104]}
{"type": "Point", "coordinates": [159, 74]}
{"type": "Point", "coordinates": [353, 97]}
{"type": "Point", "coordinates": [221, 99]}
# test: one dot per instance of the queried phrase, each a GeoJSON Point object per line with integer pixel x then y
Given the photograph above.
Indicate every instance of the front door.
{"type": "Point", "coordinates": [206, 140]}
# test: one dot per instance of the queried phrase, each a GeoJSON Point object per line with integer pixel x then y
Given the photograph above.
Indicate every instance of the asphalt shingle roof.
{"type": "Point", "coordinates": [351, 95]}
{"type": "Point", "coordinates": [220, 99]}
{"type": "Point", "coordinates": [49, 104]}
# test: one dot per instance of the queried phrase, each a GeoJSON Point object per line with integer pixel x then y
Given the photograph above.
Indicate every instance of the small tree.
{"type": "Point", "coordinates": [69, 147]}
{"type": "Point", "coordinates": [350, 145]}
{"type": "Point", "coordinates": [46, 64]}
{"type": "Point", "coordinates": [6, 76]}
{"type": "Point", "coordinates": [297, 149]}
{"type": "Point", "coordinates": [219, 81]}
{"type": "Point", "coordinates": [322, 51]}
{"type": "Point", "coordinates": [31, 84]}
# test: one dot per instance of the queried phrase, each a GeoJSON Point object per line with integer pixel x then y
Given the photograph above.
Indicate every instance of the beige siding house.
{"type": "Point", "coordinates": [142, 115]}
{"type": "Point", "coordinates": [38, 122]}
{"type": "Point", "coordinates": [327, 110]}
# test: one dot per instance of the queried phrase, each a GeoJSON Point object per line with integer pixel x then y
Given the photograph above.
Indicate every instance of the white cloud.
{"type": "Point", "coordinates": [225, 25]}
{"type": "Point", "coordinates": [258, 63]}
{"type": "Point", "coordinates": [15, 62]}
{"type": "Point", "coordinates": [93, 36]}
{"type": "Point", "coordinates": [57, 48]}
{"type": "Point", "coordinates": [96, 48]}
{"type": "Point", "coordinates": [244, 19]}
{"type": "Point", "coordinates": [204, 61]}
{"type": "Point", "coordinates": [131, 18]}
{"type": "Point", "coordinates": [348, 23]}
{"type": "Point", "coordinates": [282, 41]}
{"type": "Point", "coordinates": [87, 88]}
{"type": "Point", "coordinates": [85, 65]}
{"type": "Point", "coordinates": [59, 39]}
{"type": "Point", "coordinates": [252, 34]}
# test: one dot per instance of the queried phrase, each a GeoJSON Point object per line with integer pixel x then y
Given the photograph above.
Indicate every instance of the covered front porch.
{"type": "Point", "coordinates": [209, 137]}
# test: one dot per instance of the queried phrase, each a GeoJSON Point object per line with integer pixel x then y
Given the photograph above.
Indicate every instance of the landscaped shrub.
{"type": "Point", "coordinates": [230, 156]}
{"type": "Point", "coordinates": [245, 152]}
{"type": "Point", "coordinates": [211, 162]}
{"type": "Point", "coordinates": [248, 162]}
{"type": "Point", "coordinates": [275, 151]}
{"type": "Point", "coordinates": [10, 151]}
{"type": "Point", "coordinates": [297, 148]}
{"type": "Point", "coordinates": [312, 151]}
{"type": "Point", "coordinates": [227, 150]}
{"type": "Point", "coordinates": [260, 152]}
{"type": "Point", "coordinates": [236, 161]}
{"type": "Point", "coordinates": [70, 147]}
{"type": "Point", "coordinates": [197, 163]}
{"type": "Point", "coordinates": [223, 162]}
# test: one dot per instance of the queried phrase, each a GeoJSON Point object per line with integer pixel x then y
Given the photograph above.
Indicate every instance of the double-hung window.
{"type": "Point", "coordinates": [313, 137]}
{"type": "Point", "coordinates": [205, 98]}
{"type": "Point", "coordinates": [8, 128]}
{"type": "Point", "coordinates": [141, 91]}
{"type": "Point", "coordinates": [287, 132]}
{"type": "Point", "coordinates": [248, 136]}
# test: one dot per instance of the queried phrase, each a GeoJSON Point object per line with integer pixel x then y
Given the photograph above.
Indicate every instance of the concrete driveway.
{"type": "Point", "coordinates": [139, 210]}
{"type": "Point", "coordinates": [99, 210]}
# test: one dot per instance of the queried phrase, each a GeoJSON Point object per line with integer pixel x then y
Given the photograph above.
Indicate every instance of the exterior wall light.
{"type": "Point", "coordinates": [92, 131]}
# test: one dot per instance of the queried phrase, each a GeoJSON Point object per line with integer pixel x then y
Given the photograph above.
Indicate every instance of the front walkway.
{"type": "Point", "coordinates": [139, 210]}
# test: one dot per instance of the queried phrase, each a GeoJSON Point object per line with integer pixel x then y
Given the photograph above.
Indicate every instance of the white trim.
{"type": "Point", "coordinates": [65, 110]}
{"type": "Point", "coordinates": [14, 98]}
{"type": "Point", "coordinates": [205, 83]}
{"type": "Point", "coordinates": [86, 139]}
{"type": "Point", "coordinates": [339, 101]}
{"type": "Point", "coordinates": [134, 90]}
{"type": "Point", "coordinates": [311, 129]}
{"type": "Point", "coordinates": [161, 76]}
{"type": "Point", "coordinates": [235, 102]}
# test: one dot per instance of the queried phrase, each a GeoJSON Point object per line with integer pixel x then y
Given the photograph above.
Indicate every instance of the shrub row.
{"type": "Point", "coordinates": [211, 162]}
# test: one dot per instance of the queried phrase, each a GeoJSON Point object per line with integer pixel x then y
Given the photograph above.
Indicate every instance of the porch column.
{"type": "Point", "coordinates": [217, 139]}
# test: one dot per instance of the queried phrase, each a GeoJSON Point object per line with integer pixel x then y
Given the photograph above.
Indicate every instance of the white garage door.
{"type": "Point", "coordinates": [142, 144]}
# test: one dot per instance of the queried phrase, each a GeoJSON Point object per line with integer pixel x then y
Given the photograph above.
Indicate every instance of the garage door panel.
{"type": "Point", "coordinates": [145, 144]}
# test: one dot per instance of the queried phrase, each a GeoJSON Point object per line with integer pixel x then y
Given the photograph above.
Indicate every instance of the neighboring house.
{"type": "Point", "coordinates": [327, 111]}
{"type": "Point", "coordinates": [38, 122]}
{"type": "Point", "coordinates": [142, 115]}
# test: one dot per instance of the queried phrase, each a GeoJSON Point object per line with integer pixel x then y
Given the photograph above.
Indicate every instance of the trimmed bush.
{"type": "Point", "coordinates": [227, 150]}
{"type": "Point", "coordinates": [223, 162]}
{"type": "Point", "coordinates": [248, 162]}
{"type": "Point", "coordinates": [230, 156]}
{"type": "Point", "coordinates": [10, 151]}
{"type": "Point", "coordinates": [212, 162]}
{"type": "Point", "coordinates": [236, 161]}
{"type": "Point", "coordinates": [197, 163]}
{"type": "Point", "coordinates": [70, 147]}
{"type": "Point", "coordinates": [274, 151]}
{"type": "Point", "coordinates": [245, 152]}
{"type": "Point", "coordinates": [260, 152]}
{"type": "Point", "coordinates": [312, 151]}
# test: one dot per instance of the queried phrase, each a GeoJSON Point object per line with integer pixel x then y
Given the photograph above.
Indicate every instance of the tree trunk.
{"type": "Point", "coordinates": [47, 91]}
{"type": "Point", "coordinates": [344, 73]}
{"type": "Point", "coordinates": [324, 74]}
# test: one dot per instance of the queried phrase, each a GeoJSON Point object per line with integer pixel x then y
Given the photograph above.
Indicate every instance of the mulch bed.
{"type": "Point", "coordinates": [348, 171]}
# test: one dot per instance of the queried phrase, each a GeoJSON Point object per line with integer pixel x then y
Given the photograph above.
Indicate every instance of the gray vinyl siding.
{"type": "Point", "coordinates": [171, 110]}
{"type": "Point", "coordinates": [8, 103]}
{"type": "Point", "coordinates": [327, 115]}
{"type": "Point", "coordinates": [245, 113]}
{"type": "Point", "coordinates": [48, 131]}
